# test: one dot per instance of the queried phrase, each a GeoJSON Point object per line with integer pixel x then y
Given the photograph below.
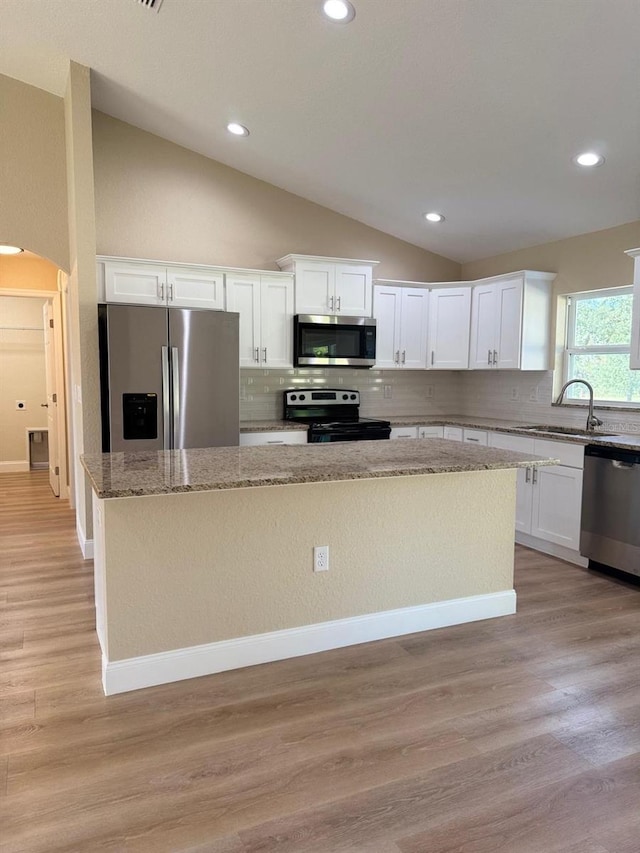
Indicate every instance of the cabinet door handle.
{"type": "Point", "coordinates": [432, 354]}
{"type": "Point", "coordinates": [489, 357]}
{"type": "Point", "coordinates": [338, 301]}
{"type": "Point", "coordinates": [404, 355]}
{"type": "Point", "coordinates": [170, 291]}
{"type": "Point", "coordinates": [468, 438]}
{"type": "Point", "coordinates": [331, 303]}
{"type": "Point", "coordinates": [161, 290]}
{"type": "Point", "coordinates": [257, 355]}
{"type": "Point", "coordinates": [275, 442]}
{"type": "Point", "coordinates": [397, 358]}
{"type": "Point", "coordinates": [495, 356]}
{"type": "Point", "coordinates": [264, 351]}
{"type": "Point", "coordinates": [527, 475]}
{"type": "Point", "coordinates": [535, 475]}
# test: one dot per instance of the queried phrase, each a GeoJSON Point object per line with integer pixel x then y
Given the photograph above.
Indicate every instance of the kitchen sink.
{"type": "Point", "coordinates": [562, 430]}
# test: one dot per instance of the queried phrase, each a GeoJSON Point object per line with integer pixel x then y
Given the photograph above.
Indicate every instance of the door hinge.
{"type": "Point", "coordinates": [54, 398]}
{"type": "Point", "coordinates": [57, 471]}
{"type": "Point", "coordinates": [51, 324]}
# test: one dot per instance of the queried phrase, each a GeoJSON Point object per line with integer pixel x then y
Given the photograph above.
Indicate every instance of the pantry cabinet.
{"type": "Point", "coordinates": [401, 315]}
{"type": "Point", "coordinates": [635, 325]}
{"type": "Point", "coordinates": [265, 305]}
{"type": "Point", "coordinates": [158, 284]}
{"type": "Point", "coordinates": [511, 322]}
{"type": "Point", "coordinates": [331, 285]}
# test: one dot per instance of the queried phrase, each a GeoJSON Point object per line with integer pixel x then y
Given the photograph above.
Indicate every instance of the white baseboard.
{"type": "Point", "coordinates": [18, 466]}
{"type": "Point", "coordinates": [179, 664]}
{"type": "Point", "coordinates": [86, 545]}
{"type": "Point", "coordinates": [552, 549]}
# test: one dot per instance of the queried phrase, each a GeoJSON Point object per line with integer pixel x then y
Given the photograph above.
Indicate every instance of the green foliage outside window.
{"type": "Point", "coordinates": [599, 345]}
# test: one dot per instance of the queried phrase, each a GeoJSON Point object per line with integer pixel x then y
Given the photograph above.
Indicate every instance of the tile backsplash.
{"type": "Point", "coordinates": [383, 393]}
{"type": "Point", "coordinates": [506, 394]}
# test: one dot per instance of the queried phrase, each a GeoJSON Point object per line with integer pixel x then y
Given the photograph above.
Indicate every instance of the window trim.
{"type": "Point", "coordinates": [571, 349]}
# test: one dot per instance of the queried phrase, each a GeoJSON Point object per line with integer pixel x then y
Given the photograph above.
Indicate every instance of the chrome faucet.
{"type": "Point", "coordinates": [592, 420]}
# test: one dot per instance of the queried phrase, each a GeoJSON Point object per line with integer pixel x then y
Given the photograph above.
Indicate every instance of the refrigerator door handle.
{"type": "Point", "coordinates": [166, 399]}
{"type": "Point", "coordinates": [175, 389]}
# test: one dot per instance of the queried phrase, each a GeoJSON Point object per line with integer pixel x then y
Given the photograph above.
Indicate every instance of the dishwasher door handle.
{"type": "Point", "coordinates": [618, 463]}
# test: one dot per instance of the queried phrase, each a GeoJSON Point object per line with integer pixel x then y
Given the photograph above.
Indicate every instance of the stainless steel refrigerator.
{"type": "Point", "coordinates": [169, 378]}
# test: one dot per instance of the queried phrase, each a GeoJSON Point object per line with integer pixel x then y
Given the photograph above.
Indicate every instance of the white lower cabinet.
{"type": "Point", "coordinates": [430, 432]}
{"type": "Point", "coordinates": [549, 498]}
{"type": "Point", "coordinates": [452, 433]}
{"type": "Point", "coordinates": [475, 436]}
{"type": "Point", "coordinates": [292, 436]}
{"type": "Point", "coordinates": [404, 432]}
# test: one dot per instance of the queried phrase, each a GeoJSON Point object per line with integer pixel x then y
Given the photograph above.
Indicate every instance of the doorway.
{"type": "Point", "coordinates": [33, 422]}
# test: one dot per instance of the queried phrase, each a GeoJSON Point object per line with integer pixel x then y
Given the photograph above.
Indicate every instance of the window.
{"type": "Point", "coordinates": [599, 345]}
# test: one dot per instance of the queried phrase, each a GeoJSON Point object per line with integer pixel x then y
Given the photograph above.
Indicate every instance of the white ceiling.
{"type": "Point", "coordinates": [470, 107]}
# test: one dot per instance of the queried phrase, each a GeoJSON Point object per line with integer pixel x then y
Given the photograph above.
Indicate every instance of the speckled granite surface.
{"type": "Point", "coordinates": [117, 475]}
{"type": "Point", "coordinates": [628, 442]}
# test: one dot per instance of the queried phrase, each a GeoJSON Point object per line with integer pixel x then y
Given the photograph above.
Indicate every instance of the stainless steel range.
{"type": "Point", "coordinates": [333, 414]}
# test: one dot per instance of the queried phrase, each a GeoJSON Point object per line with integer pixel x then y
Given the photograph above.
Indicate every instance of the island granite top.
{"type": "Point", "coordinates": [120, 475]}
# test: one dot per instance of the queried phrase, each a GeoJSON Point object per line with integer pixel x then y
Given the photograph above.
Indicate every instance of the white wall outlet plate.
{"type": "Point", "coordinates": [533, 394]}
{"type": "Point", "coordinates": [514, 394]}
{"type": "Point", "coordinates": [321, 558]}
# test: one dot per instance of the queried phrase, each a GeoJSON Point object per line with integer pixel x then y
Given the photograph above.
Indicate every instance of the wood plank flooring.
{"type": "Point", "coordinates": [519, 734]}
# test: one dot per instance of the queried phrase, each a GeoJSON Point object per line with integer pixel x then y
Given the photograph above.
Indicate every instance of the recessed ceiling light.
{"type": "Point", "coordinates": [589, 158]}
{"type": "Point", "coordinates": [339, 10]}
{"type": "Point", "coordinates": [237, 129]}
{"type": "Point", "coordinates": [10, 250]}
{"type": "Point", "coordinates": [434, 217]}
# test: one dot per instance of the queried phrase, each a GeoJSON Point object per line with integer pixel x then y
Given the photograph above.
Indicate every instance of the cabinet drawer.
{"type": "Point", "coordinates": [404, 432]}
{"type": "Point", "coordinates": [475, 436]}
{"type": "Point", "coordinates": [503, 441]}
{"type": "Point", "coordinates": [453, 433]}
{"type": "Point", "coordinates": [569, 454]}
{"type": "Point", "coordinates": [430, 432]}
{"type": "Point", "coordinates": [252, 439]}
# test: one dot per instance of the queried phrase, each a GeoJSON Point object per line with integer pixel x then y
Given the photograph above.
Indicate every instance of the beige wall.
{"type": "Point", "coordinates": [27, 272]}
{"type": "Point", "coordinates": [33, 191]}
{"type": "Point", "coordinates": [586, 262]}
{"type": "Point", "coordinates": [22, 374]}
{"type": "Point", "coordinates": [175, 579]}
{"type": "Point", "coordinates": [155, 199]}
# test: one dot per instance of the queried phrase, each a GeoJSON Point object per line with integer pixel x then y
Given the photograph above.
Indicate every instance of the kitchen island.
{"type": "Point", "coordinates": [203, 558]}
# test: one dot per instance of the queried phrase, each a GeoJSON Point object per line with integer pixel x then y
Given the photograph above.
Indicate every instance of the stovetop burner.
{"type": "Point", "coordinates": [332, 415]}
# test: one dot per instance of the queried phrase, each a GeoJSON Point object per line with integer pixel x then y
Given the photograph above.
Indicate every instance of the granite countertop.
{"type": "Point", "coordinates": [118, 475]}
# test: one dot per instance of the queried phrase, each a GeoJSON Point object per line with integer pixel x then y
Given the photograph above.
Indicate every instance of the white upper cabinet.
{"type": "Point", "coordinates": [402, 315]}
{"type": "Point", "coordinates": [331, 285]}
{"type": "Point", "coordinates": [159, 284]}
{"type": "Point", "coordinates": [635, 325]}
{"type": "Point", "coordinates": [265, 305]}
{"type": "Point", "coordinates": [511, 322]}
{"type": "Point", "coordinates": [449, 329]}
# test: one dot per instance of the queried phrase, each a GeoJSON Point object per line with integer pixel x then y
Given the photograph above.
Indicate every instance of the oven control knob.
{"type": "Point", "coordinates": [302, 397]}
{"type": "Point", "coordinates": [293, 397]}
{"type": "Point", "coordinates": [353, 396]}
{"type": "Point", "coordinates": [345, 396]}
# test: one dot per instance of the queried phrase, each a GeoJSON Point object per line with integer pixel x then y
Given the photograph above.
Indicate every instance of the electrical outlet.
{"type": "Point", "coordinates": [21, 405]}
{"type": "Point", "coordinates": [428, 392]}
{"type": "Point", "coordinates": [514, 395]}
{"type": "Point", "coordinates": [321, 558]}
{"type": "Point", "coordinates": [387, 392]}
{"type": "Point", "coordinates": [533, 394]}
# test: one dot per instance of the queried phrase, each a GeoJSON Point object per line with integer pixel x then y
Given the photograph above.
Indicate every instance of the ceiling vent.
{"type": "Point", "coordinates": [150, 4]}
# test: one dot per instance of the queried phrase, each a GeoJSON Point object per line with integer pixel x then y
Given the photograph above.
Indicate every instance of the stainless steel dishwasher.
{"type": "Point", "coordinates": [610, 528]}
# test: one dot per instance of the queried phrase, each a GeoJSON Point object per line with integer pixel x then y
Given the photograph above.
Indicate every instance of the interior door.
{"type": "Point", "coordinates": [52, 398]}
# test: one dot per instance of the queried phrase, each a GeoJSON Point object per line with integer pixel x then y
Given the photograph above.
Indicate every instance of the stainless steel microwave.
{"type": "Point", "coordinates": [326, 341]}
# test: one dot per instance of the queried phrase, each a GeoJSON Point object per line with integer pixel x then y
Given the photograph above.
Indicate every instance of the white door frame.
{"type": "Point", "coordinates": [60, 356]}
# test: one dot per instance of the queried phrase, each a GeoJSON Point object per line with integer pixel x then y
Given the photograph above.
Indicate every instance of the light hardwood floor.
{"type": "Point", "coordinates": [519, 734]}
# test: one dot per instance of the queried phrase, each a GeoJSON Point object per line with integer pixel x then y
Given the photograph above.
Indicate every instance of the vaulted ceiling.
{"type": "Point", "coordinates": [474, 109]}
